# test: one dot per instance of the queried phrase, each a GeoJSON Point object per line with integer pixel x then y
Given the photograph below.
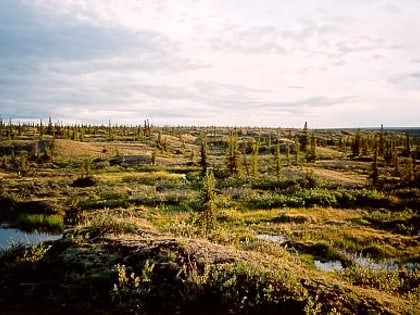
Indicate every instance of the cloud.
{"type": "Point", "coordinates": [208, 61]}
{"type": "Point", "coordinates": [261, 39]}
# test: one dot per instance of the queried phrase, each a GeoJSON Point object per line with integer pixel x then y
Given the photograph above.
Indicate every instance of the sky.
{"type": "Point", "coordinates": [267, 63]}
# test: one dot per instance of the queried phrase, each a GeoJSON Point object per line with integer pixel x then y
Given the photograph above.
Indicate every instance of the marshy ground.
{"type": "Point", "coordinates": [145, 232]}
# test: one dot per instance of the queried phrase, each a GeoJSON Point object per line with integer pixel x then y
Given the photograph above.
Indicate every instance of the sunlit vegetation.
{"type": "Point", "coordinates": [164, 220]}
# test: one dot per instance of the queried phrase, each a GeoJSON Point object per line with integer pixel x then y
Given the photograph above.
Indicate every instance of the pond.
{"type": "Point", "coordinates": [366, 262]}
{"type": "Point", "coordinates": [279, 238]}
{"type": "Point", "coordinates": [10, 236]}
{"type": "Point", "coordinates": [331, 265]}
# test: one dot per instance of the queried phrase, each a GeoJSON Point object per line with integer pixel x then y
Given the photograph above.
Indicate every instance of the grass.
{"type": "Point", "coordinates": [134, 242]}
{"type": "Point", "coordinates": [50, 223]}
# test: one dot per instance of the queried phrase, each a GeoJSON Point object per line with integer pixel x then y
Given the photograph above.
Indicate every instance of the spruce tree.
{"type": "Point", "coordinates": [154, 156]}
{"type": "Point", "coordinates": [296, 149]}
{"type": "Point", "coordinates": [381, 144]}
{"type": "Point", "coordinates": [203, 154]}
{"type": "Point", "coordinates": [277, 161]}
{"type": "Point", "coordinates": [355, 146]}
{"type": "Point", "coordinates": [407, 144]}
{"type": "Point", "coordinates": [207, 215]}
{"type": "Point", "coordinates": [1, 128]}
{"type": "Point", "coordinates": [305, 138]}
{"type": "Point", "coordinates": [233, 155]}
{"type": "Point", "coordinates": [49, 127]}
{"type": "Point", "coordinates": [375, 173]}
{"type": "Point", "coordinates": [41, 130]}
{"type": "Point", "coordinates": [109, 130]}
{"type": "Point", "coordinates": [254, 159]}
{"type": "Point", "coordinates": [311, 154]}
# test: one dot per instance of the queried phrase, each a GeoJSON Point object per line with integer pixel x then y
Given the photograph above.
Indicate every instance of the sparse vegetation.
{"type": "Point", "coordinates": [163, 220]}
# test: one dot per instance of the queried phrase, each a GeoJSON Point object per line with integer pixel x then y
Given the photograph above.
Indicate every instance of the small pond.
{"type": "Point", "coordinates": [10, 236]}
{"type": "Point", "coordinates": [279, 238]}
{"type": "Point", "coordinates": [366, 262]}
{"type": "Point", "coordinates": [331, 265]}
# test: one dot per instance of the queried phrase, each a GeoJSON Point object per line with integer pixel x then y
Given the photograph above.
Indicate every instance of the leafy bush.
{"type": "Point", "coordinates": [84, 182]}
{"type": "Point", "coordinates": [317, 197]}
{"type": "Point", "coordinates": [372, 198]}
{"type": "Point", "coordinates": [365, 276]}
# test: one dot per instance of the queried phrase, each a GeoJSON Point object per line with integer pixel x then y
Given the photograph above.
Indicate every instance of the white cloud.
{"type": "Point", "coordinates": [212, 61]}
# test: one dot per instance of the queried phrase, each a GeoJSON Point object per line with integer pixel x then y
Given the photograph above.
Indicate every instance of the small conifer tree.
{"type": "Point", "coordinates": [305, 138]}
{"type": "Point", "coordinates": [277, 161]}
{"type": "Point", "coordinates": [207, 215]}
{"type": "Point", "coordinates": [381, 143]}
{"type": "Point", "coordinates": [356, 144]}
{"type": "Point", "coordinates": [296, 149]}
{"type": "Point", "coordinates": [254, 159]}
{"type": "Point", "coordinates": [233, 155]}
{"type": "Point", "coordinates": [375, 173]}
{"type": "Point", "coordinates": [203, 154]}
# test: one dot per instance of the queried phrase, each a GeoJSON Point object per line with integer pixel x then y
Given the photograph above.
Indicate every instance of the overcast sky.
{"type": "Point", "coordinates": [349, 63]}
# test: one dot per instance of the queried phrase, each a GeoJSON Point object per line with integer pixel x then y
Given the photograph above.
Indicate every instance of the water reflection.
{"type": "Point", "coordinates": [10, 236]}
{"type": "Point", "coordinates": [279, 238]}
{"type": "Point", "coordinates": [331, 265]}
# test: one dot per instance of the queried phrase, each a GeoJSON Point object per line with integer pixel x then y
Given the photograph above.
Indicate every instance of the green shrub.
{"type": "Point", "coordinates": [318, 197]}
{"type": "Point", "coordinates": [365, 276]}
{"type": "Point", "coordinates": [372, 198]}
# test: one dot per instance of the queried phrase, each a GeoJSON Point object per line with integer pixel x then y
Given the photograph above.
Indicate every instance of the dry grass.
{"type": "Point", "coordinates": [92, 149]}
{"type": "Point", "coordinates": [337, 177]}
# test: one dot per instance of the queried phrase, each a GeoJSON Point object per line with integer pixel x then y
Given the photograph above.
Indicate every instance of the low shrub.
{"type": "Point", "coordinates": [84, 182]}
{"type": "Point", "coordinates": [365, 276]}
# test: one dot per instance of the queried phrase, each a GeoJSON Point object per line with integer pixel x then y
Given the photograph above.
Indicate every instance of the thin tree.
{"type": "Point", "coordinates": [203, 154]}
{"type": "Point", "coordinates": [109, 130]}
{"type": "Point", "coordinates": [407, 144]}
{"type": "Point", "coordinates": [375, 173]}
{"type": "Point", "coordinates": [296, 149]}
{"type": "Point", "coordinates": [381, 144]}
{"type": "Point", "coordinates": [154, 156]}
{"type": "Point", "coordinates": [233, 155]}
{"type": "Point", "coordinates": [207, 215]}
{"type": "Point", "coordinates": [311, 154]}
{"type": "Point", "coordinates": [254, 157]}
{"type": "Point", "coordinates": [305, 138]}
{"type": "Point", "coordinates": [277, 161]}
{"type": "Point", "coordinates": [355, 146]}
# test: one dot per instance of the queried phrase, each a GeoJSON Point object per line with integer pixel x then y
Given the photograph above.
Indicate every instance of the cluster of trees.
{"type": "Point", "coordinates": [243, 146]}
{"type": "Point", "coordinates": [391, 151]}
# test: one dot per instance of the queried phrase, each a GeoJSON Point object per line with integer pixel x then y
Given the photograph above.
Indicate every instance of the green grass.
{"type": "Point", "coordinates": [50, 223]}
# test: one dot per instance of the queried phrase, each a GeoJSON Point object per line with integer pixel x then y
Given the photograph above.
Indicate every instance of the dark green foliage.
{"type": "Point", "coordinates": [277, 161]}
{"type": "Point", "coordinates": [85, 181]}
{"type": "Point", "coordinates": [381, 143]}
{"type": "Point", "coordinates": [305, 138]}
{"type": "Point", "coordinates": [310, 155]}
{"type": "Point", "coordinates": [207, 210]}
{"type": "Point", "coordinates": [356, 144]}
{"type": "Point", "coordinates": [203, 154]}
{"type": "Point", "coordinates": [233, 155]}
{"type": "Point", "coordinates": [375, 172]}
{"type": "Point", "coordinates": [254, 158]}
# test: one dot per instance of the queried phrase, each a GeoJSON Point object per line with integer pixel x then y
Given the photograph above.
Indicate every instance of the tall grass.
{"type": "Point", "coordinates": [51, 223]}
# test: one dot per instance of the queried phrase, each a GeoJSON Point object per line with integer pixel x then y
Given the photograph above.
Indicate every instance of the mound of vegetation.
{"type": "Point", "coordinates": [85, 271]}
